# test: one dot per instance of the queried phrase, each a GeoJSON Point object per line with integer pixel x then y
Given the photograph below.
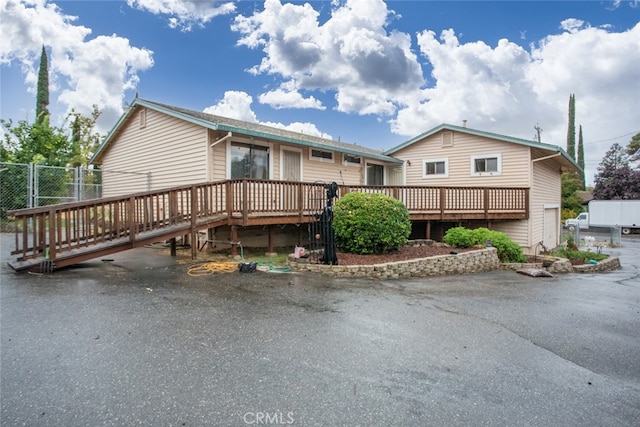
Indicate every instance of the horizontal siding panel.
{"type": "Point", "coordinates": [518, 231]}
{"type": "Point", "coordinates": [330, 172]}
{"type": "Point", "coordinates": [172, 150]}
{"type": "Point", "coordinates": [547, 189]}
{"type": "Point", "coordinates": [515, 161]}
{"type": "Point", "coordinates": [218, 170]}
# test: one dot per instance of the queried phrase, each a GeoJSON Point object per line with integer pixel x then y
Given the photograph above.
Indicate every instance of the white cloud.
{"type": "Point", "coordinates": [601, 68]}
{"type": "Point", "coordinates": [571, 25]}
{"type": "Point", "coordinates": [184, 14]}
{"type": "Point", "coordinates": [352, 53]}
{"type": "Point", "coordinates": [286, 96]}
{"type": "Point", "coordinates": [237, 105]}
{"type": "Point", "coordinates": [473, 81]}
{"type": "Point", "coordinates": [234, 105]}
{"type": "Point", "coordinates": [84, 72]}
{"type": "Point", "coordinates": [300, 127]}
{"type": "Point", "coordinates": [507, 89]}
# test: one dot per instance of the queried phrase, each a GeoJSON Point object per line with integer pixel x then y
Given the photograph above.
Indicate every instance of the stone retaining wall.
{"type": "Point", "coordinates": [611, 263]}
{"type": "Point", "coordinates": [485, 259]}
{"type": "Point", "coordinates": [562, 265]}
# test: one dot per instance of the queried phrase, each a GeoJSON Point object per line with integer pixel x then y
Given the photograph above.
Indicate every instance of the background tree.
{"type": "Point", "coordinates": [615, 178]}
{"type": "Point", "coordinates": [84, 139]}
{"type": "Point", "coordinates": [581, 158]}
{"type": "Point", "coordinates": [571, 202]}
{"type": "Point", "coordinates": [571, 131]}
{"type": "Point", "coordinates": [633, 149]}
{"type": "Point", "coordinates": [571, 181]}
{"type": "Point", "coordinates": [34, 143]}
{"type": "Point", "coordinates": [42, 95]}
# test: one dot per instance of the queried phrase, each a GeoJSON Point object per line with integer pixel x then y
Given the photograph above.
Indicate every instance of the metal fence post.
{"type": "Point", "coordinates": [30, 182]}
{"type": "Point", "coordinates": [76, 184]}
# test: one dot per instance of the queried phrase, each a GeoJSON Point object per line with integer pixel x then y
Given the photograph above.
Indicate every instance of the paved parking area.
{"type": "Point", "coordinates": [137, 341]}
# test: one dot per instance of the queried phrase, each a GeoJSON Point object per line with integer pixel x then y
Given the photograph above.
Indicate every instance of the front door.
{"type": "Point", "coordinates": [291, 172]}
{"type": "Point", "coordinates": [375, 174]}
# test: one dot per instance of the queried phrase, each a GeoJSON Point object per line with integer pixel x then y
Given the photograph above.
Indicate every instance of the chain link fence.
{"type": "Point", "coordinates": [30, 185]}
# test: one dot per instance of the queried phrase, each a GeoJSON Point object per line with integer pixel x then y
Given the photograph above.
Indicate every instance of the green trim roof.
{"type": "Point", "coordinates": [225, 124]}
{"type": "Point", "coordinates": [532, 144]}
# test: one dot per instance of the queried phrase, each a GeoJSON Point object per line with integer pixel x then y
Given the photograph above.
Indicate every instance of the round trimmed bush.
{"type": "Point", "coordinates": [370, 223]}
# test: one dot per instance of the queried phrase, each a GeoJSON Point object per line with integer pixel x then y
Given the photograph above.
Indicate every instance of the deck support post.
{"type": "Point", "coordinates": [211, 235]}
{"type": "Point", "coordinates": [270, 239]}
{"type": "Point", "coordinates": [301, 236]}
{"type": "Point", "coordinates": [194, 217]}
{"type": "Point", "coordinates": [173, 246]}
{"type": "Point", "coordinates": [428, 231]}
{"type": "Point", "coordinates": [234, 241]}
{"type": "Point", "coordinates": [133, 228]}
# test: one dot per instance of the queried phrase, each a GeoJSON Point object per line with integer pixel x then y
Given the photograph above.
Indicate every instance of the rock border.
{"type": "Point", "coordinates": [485, 259]}
{"type": "Point", "coordinates": [440, 265]}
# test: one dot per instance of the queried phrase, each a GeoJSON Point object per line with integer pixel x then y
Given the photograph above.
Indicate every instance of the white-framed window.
{"type": "Point", "coordinates": [349, 159]}
{"type": "Point", "coordinates": [486, 165]}
{"type": "Point", "coordinates": [321, 155]}
{"type": "Point", "coordinates": [249, 161]}
{"type": "Point", "coordinates": [435, 168]}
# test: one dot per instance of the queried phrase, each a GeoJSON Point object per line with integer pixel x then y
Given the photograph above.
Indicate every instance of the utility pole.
{"type": "Point", "coordinates": [538, 131]}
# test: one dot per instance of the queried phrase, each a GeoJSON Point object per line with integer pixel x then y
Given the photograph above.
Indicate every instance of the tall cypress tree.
{"type": "Point", "coordinates": [42, 96]}
{"type": "Point", "coordinates": [581, 156]}
{"type": "Point", "coordinates": [571, 132]}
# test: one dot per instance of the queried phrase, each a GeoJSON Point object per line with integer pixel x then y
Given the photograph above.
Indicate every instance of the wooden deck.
{"type": "Point", "coordinates": [56, 236]}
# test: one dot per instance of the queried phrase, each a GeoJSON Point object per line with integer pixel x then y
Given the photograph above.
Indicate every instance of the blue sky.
{"type": "Point", "coordinates": [369, 72]}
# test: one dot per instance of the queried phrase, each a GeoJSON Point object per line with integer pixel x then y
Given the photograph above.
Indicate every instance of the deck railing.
{"type": "Point", "coordinates": [485, 200]}
{"type": "Point", "coordinates": [50, 231]}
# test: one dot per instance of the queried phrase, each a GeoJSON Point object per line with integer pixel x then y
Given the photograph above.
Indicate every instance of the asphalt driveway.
{"type": "Point", "coordinates": [137, 341]}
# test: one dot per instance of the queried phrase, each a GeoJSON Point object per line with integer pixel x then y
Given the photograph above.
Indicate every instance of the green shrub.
{"type": "Point", "coordinates": [370, 223]}
{"type": "Point", "coordinates": [576, 255]}
{"type": "Point", "coordinates": [508, 250]}
{"type": "Point", "coordinates": [459, 237]}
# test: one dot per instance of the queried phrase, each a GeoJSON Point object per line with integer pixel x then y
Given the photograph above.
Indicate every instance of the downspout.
{"type": "Point", "coordinates": [545, 158]}
{"type": "Point", "coordinates": [224, 138]}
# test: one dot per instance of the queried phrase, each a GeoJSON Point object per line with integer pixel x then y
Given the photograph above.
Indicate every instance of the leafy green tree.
{"type": "Point", "coordinates": [42, 95]}
{"type": "Point", "coordinates": [370, 223]}
{"type": "Point", "coordinates": [40, 143]}
{"type": "Point", "coordinates": [34, 143]}
{"type": "Point", "coordinates": [571, 131]}
{"type": "Point", "coordinates": [615, 178]}
{"type": "Point", "coordinates": [571, 201]}
{"type": "Point", "coordinates": [84, 139]}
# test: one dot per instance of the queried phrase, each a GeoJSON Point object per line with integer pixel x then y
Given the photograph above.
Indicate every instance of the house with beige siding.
{"type": "Point", "coordinates": [458, 156]}
{"type": "Point", "coordinates": [175, 147]}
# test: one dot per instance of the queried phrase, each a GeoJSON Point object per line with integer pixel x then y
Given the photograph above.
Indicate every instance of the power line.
{"type": "Point", "coordinates": [611, 139]}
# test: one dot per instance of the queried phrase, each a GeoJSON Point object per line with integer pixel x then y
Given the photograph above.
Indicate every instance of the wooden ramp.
{"type": "Point", "coordinates": [84, 251]}
{"type": "Point", "coordinates": [51, 237]}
